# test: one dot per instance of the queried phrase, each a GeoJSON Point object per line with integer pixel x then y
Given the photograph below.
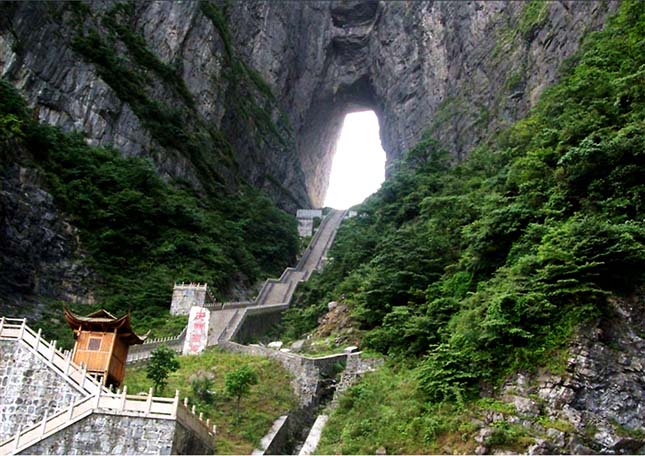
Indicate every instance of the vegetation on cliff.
{"type": "Point", "coordinates": [467, 273]}
{"type": "Point", "coordinates": [141, 232]}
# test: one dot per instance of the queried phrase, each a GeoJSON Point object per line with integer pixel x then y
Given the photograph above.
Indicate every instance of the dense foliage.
{"type": "Point", "coordinates": [142, 233]}
{"type": "Point", "coordinates": [488, 266]}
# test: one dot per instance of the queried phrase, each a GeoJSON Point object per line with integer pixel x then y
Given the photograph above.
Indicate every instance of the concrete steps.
{"type": "Point", "coordinates": [276, 294]}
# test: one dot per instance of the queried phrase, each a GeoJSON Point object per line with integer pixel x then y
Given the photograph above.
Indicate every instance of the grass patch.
{"type": "Point", "coordinates": [559, 424]}
{"type": "Point", "coordinates": [269, 399]}
{"type": "Point", "coordinates": [385, 409]}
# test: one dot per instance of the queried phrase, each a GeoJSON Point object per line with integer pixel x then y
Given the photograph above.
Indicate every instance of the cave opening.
{"type": "Point", "coordinates": [358, 166]}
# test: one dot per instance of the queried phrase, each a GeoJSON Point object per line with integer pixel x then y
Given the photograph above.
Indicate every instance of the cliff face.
{"type": "Point", "coordinates": [216, 93]}
{"type": "Point", "coordinates": [277, 80]}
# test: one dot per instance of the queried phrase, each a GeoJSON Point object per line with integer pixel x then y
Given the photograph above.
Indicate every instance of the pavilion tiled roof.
{"type": "Point", "coordinates": [104, 321]}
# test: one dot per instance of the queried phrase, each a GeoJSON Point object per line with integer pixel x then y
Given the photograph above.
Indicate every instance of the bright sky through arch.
{"type": "Point", "coordinates": [358, 168]}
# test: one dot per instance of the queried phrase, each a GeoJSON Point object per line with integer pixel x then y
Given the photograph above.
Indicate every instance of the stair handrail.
{"type": "Point", "coordinates": [149, 405]}
{"type": "Point", "coordinates": [61, 362]}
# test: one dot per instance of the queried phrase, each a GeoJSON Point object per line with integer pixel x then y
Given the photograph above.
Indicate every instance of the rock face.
{"type": "Point", "coordinates": [40, 252]}
{"type": "Point", "coordinates": [462, 69]}
{"type": "Point", "coordinates": [596, 405]}
{"type": "Point", "coordinates": [216, 92]}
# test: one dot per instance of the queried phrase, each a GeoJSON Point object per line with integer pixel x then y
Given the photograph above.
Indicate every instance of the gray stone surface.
{"type": "Point", "coordinates": [40, 252]}
{"type": "Point", "coordinates": [311, 375]}
{"type": "Point", "coordinates": [596, 405]}
{"type": "Point", "coordinates": [101, 433]}
{"type": "Point", "coordinates": [464, 65]}
{"type": "Point", "coordinates": [461, 68]}
{"type": "Point", "coordinates": [184, 297]}
{"type": "Point", "coordinates": [28, 389]}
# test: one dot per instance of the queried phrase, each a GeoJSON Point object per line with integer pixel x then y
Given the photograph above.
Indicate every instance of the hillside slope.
{"type": "Point", "coordinates": [529, 255]}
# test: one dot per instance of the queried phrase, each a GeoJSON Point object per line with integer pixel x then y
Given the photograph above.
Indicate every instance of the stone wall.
{"type": "Point", "coordinates": [29, 388]}
{"type": "Point", "coordinates": [186, 442]}
{"type": "Point", "coordinates": [256, 325]}
{"type": "Point", "coordinates": [103, 433]}
{"type": "Point", "coordinates": [186, 296]}
{"type": "Point", "coordinates": [355, 367]}
{"type": "Point", "coordinates": [311, 375]}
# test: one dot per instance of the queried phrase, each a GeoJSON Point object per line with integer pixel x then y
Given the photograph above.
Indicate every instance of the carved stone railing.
{"type": "Point", "coordinates": [120, 403]}
{"type": "Point", "coordinates": [59, 361]}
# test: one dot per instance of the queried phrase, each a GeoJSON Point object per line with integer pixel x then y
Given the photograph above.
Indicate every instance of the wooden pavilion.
{"type": "Point", "coordinates": [102, 343]}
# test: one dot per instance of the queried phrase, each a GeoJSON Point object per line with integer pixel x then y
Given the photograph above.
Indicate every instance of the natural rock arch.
{"type": "Point", "coordinates": [463, 69]}
{"type": "Point", "coordinates": [318, 139]}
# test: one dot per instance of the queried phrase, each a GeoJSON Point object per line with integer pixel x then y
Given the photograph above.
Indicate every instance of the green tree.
{"type": "Point", "coordinates": [161, 364]}
{"type": "Point", "coordinates": [238, 383]}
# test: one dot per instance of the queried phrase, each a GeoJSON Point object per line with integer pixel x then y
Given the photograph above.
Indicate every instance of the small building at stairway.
{"type": "Point", "coordinates": [102, 343]}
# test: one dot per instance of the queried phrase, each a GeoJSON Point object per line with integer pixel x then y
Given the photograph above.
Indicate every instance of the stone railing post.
{"type": "Point", "coordinates": [123, 398]}
{"type": "Point", "coordinates": [83, 375]}
{"type": "Point", "coordinates": [16, 441]}
{"type": "Point", "coordinates": [1, 324]}
{"type": "Point", "coordinates": [149, 401]}
{"type": "Point", "coordinates": [68, 361]}
{"type": "Point", "coordinates": [98, 397]}
{"type": "Point", "coordinates": [175, 404]}
{"type": "Point", "coordinates": [22, 328]}
{"type": "Point", "coordinates": [52, 347]}
{"type": "Point", "coordinates": [44, 424]}
{"type": "Point", "coordinates": [38, 334]}
{"type": "Point", "coordinates": [70, 414]}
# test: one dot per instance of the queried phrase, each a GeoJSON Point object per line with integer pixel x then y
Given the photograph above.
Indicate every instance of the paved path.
{"type": "Point", "coordinates": [281, 290]}
{"type": "Point", "coordinates": [316, 252]}
{"type": "Point", "coordinates": [226, 322]}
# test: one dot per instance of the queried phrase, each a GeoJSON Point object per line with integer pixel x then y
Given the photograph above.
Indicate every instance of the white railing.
{"type": "Point", "coordinates": [144, 351]}
{"type": "Point", "coordinates": [60, 362]}
{"type": "Point", "coordinates": [120, 403]}
{"type": "Point", "coordinates": [195, 285]}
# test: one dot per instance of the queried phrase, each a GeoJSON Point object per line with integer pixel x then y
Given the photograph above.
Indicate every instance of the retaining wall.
{"type": "Point", "coordinates": [105, 433]}
{"type": "Point", "coordinates": [257, 322]}
{"type": "Point", "coordinates": [310, 374]}
{"type": "Point", "coordinates": [28, 389]}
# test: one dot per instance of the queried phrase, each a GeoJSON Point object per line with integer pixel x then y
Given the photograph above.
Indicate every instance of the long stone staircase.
{"type": "Point", "coordinates": [275, 294]}
{"type": "Point", "coordinates": [94, 396]}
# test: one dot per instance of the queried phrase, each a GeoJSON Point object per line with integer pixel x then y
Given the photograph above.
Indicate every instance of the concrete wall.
{"type": "Point", "coordinates": [256, 325]}
{"type": "Point", "coordinates": [28, 389]}
{"type": "Point", "coordinates": [107, 433]}
{"type": "Point", "coordinates": [186, 296]}
{"type": "Point", "coordinates": [310, 374]}
{"type": "Point", "coordinates": [186, 442]}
